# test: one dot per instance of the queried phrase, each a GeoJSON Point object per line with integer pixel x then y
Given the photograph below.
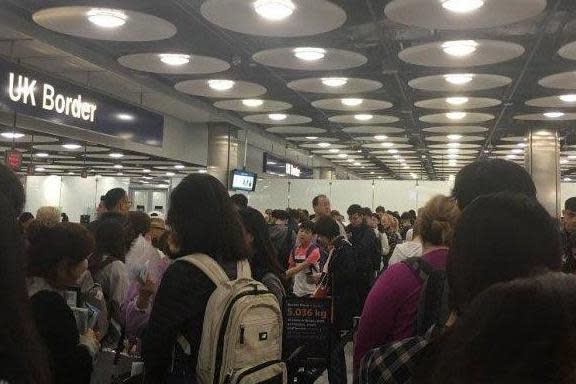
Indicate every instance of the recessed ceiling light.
{"type": "Point", "coordinates": [462, 6]}
{"type": "Point", "coordinates": [71, 173]}
{"type": "Point", "coordinates": [202, 171]}
{"type": "Point", "coordinates": [342, 155]}
{"type": "Point", "coordinates": [372, 172]}
{"type": "Point", "coordinates": [333, 150]}
{"type": "Point", "coordinates": [452, 163]}
{"type": "Point", "coordinates": [107, 18]}
{"type": "Point", "coordinates": [572, 157]}
{"type": "Point", "coordinates": [116, 155]}
{"type": "Point", "coordinates": [350, 160]}
{"type": "Point", "coordinates": [324, 145]}
{"type": "Point", "coordinates": [175, 59]}
{"type": "Point", "coordinates": [125, 116]}
{"type": "Point", "coordinates": [119, 174]}
{"type": "Point", "coordinates": [277, 116]}
{"type": "Point", "coordinates": [511, 157]}
{"type": "Point", "coordinates": [363, 117]}
{"type": "Point", "coordinates": [12, 135]}
{"type": "Point", "coordinates": [453, 156]}
{"type": "Point", "coordinates": [553, 115]}
{"type": "Point", "coordinates": [144, 182]}
{"type": "Point", "coordinates": [454, 137]}
{"type": "Point", "coordinates": [179, 166]}
{"type": "Point", "coordinates": [392, 151]}
{"type": "Point", "coordinates": [311, 137]}
{"type": "Point", "coordinates": [71, 146]}
{"type": "Point", "coordinates": [274, 10]}
{"type": "Point", "coordinates": [41, 154]}
{"type": "Point", "coordinates": [457, 100]}
{"type": "Point", "coordinates": [357, 164]}
{"type": "Point", "coordinates": [456, 115]}
{"type": "Point", "coordinates": [460, 48]}
{"type": "Point", "coordinates": [40, 169]}
{"type": "Point", "coordinates": [567, 179]}
{"type": "Point", "coordinates": [147, 177]}
{"type": "Point", "coordinates": [352, 102]}
{"type": "Point", "coordinates": [381, 137]}
{"type": "Point", "coordinates": [271, 163]}
{"type": "Point", "coordinates": [517, 151]}
{"type": "Point", "coordinates": [252, 103]}
{"type": "Point", "coordinates": [309, 53]}
{"type": "Point", "coordinates": [453, 150]}
{"type": "Point", "coordinates": [221, 85]}
{"type": "Point", "coordinates": [568, 98]}
{"type": "Point", "coordinates": [146, 170]}
{"type": "Point", "coordinates": [522, 145]}
{"type": "Point", "coordinates": [170, 174]}
{"type": "Point", "coordinates": [459, 78]}
{"type": "Point", "coordinates": [453, 145]}
{"type": "Point", "coordinates": [334, 81]}
{"type": "Point", "coordinates": [563, 161]}
{"type": "Point", "coordinates": [118, 166]}
{"type": "Point", "coordinates": [387, 145]}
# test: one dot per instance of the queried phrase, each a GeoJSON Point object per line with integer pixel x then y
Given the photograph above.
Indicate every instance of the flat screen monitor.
{"type": "Point", "coordinates": [243, 181]}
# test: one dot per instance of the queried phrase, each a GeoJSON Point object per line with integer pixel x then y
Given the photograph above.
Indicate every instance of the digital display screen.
{"type": "Point", "coordinates": [243, 181]}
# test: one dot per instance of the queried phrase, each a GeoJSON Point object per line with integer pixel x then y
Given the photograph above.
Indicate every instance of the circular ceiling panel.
{"type": "Point", "coordinates": [562, 101]}
{"type": "Point", "coordinates": [452, 14]}
{"type": "Point", "coordinates": [307, 139]}
{"type": "Point", "coordinates": [122, 159]}
{"type": "Point", "coordinates": [298, 18]}
{"type": "Point", "coordinates": [363, 119]}
{"type": "Point", "coordinates": [542, 117]}
{"type": "Point", "coordinates": [565, 80]}
{"type": "Point", "coordinates": [458, 102]}
{"type": "Point", "coordinates": [457, 118]}
{"type": "Point", "coordinates": [454, 145]}
{"type": "Point", "coordinates": [164, 63]}
{"type": "Point", "coordinates": [351, 104]}
{"type": "Point", "coordinates": [446, 139]}
{"type": "Point", "coordinates": [380, 146]}
{"type": "Point", "coordinates": [202, 88]}
{"type": "Point", "coordinates": [373, 129]}
{"type": "Point", "coordinates": [391, 139]}
{"type": "Point", "coordinates": [460, 152]}
{"type": "Point", "coordinates": [335, 85]}
{"type": "Point", "coordinates": [104, 23]}
{"type": "Point", "coordinates": [253, 105]}
{"type": "Point", "coordinates": [456, 129]}
{"type": "Point", "coordinates": [459, 82]}
{"type": "Point", "coordinates": [270, 119]}
{"type": "Point", "coordinates": [325, 59]}
{"type": "Point", "coordinates": [461, 53]}
{"type": "Point", "coordinates": [59, 148]}
{"type": "Point", "coordinates": [319, 145]}
{"type": "Point", "coordinates": [568, 51]}
{"type": "Point", "coordinates": [296, 130]}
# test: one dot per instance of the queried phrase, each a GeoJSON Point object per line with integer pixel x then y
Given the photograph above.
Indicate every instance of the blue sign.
{"type": "Point", "coordinates": [45, 97]}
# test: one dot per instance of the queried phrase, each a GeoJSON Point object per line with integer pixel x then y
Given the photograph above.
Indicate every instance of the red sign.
{"type": "Point", "coordinates": [14, 159]}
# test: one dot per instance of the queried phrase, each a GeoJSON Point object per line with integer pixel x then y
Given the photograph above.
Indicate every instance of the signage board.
{"type": "Point", "coordinates": [243, 180]}
{"type": "Point", "coordinates": [13, 160]}
{"type": "Point", "coordinates": [277, 166]}
{"type": "Point", "coordinates": [45, 97]}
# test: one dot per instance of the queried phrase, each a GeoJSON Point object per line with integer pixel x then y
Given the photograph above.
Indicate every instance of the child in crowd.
{"type": "Point", "coordinates": [303, 264]}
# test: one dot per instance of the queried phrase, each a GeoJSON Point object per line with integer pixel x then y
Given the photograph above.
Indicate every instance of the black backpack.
{"type": "Point", "coordinates": [433, 307]}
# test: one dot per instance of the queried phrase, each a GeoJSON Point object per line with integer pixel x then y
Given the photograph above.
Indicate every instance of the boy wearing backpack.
{"type": "Point", "coordinates": [304, 260]}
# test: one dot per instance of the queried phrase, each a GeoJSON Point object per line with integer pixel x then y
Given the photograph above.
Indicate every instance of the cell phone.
{"type": "Point", "coordinates": [93, 315]}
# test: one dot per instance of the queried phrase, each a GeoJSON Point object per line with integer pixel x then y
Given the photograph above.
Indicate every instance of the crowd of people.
{"type": "Point", "coordinates": [476, 287]}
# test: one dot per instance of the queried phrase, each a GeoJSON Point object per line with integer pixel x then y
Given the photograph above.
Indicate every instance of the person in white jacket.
{"type": "Point", "coordinates": [406, 250]}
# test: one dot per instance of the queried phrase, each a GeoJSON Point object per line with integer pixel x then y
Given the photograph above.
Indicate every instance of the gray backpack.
{"type": "Point", "coordinates": [242, 334]}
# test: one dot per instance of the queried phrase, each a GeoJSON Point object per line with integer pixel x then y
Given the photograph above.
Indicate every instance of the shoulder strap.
{"type": "Point", "coordinates": [419, 267]}
{"type": "Point", "coordinates": [207, 265]}
{"type": "Point", "coordinates": [243, 270]}
{"type": "Point", "coordinates": [310, 249]}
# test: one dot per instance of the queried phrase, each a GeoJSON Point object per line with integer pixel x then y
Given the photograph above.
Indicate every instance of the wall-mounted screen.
{"type": "Point", "coordinates": [243, 180]}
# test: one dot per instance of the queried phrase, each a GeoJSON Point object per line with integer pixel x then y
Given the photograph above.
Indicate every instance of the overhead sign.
{"type": "Point", "coordinates": [13, 160]}
{"type": "Point", "coordinates": [277, 166]}
{"type": "Point", "coordinates": [42, 96]}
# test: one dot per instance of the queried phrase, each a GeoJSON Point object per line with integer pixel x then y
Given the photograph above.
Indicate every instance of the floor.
{"type": "Point", "coordinates": [348, 352]}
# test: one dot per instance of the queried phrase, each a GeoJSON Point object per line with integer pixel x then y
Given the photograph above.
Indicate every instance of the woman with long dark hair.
{"type": "Point", "coordinates": [203, 220]}
{"type": "Point", "coordinates": [264, 259]}
{"type": "Point", "coordinates": [23, 358]}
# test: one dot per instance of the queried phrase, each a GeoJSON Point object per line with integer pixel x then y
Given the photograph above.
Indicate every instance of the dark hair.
{"type": "Point", "coordinates": [316, 200]}
{"type": "Point", "coordinates": [570, 204]}
{"type": "Point", "coordinates": [265, 258]}
{"type": "Point", "coordinates": [25, 217]}
{"type": "Point", "coordinates": [204, 220]}
{"type": "Point", "coordinates": [307, 226]}
{"type": "Point", "coordinates": [23, 357]}
{"type": "Point", "coordinates": [327, 226]}
{"type": "Point", "coordinates": [437, 221]}
{"type": "Point", "coordinates": [412, 214]}
{"type": "Point", "coordinates": [507, 330]}
{"type": "Point", "coordinates": [355, 209]}
{"type": "Point", "coordinates": [240, 200]}
{"type": "Point", "coordinates": [499, 238]}
{"type": "Point", "coordinates": [51, 245]}
{"type": "Point", "coordinates": [405, 216]}
{"type": "Point", "coordinates": [280, 214]}
{"type": "Point", "coordinates": [366, 211]}
{"type": "Point", "coordinates": [112, 197]}
{"type": "Point", "coordinates": [110, 241]}
{"type": "Point", "coordinates": [64, 217]}
{"type": "Point", "coordinates": [137, 224]}
{"type": "Point", "coordinates": [380, 209]}
{"type": "Point", "coordinates": [491, 176]}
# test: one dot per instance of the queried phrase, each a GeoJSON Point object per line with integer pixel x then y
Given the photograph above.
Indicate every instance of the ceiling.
{"type": "Point", "coordinates": [383, 112]}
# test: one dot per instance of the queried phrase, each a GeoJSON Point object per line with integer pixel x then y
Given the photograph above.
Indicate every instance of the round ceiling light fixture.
{"type": "Point", "coordinates": [457, 100]}
{"type": "Point", "coordinates": [40, 169]}
{"type": "Point", "coordinates": [392, 151]}
{"type": "Point", "coordinates": [324, 145]}
{"type": "Point", "coordinates": [221, 85]}
{"type": "Point", "coordinates": [553, 115]}
{"type": "Point", "coordinates": [309, 53]}
{"type": "Point", "coordinates": [125, 117]}
{"type": "Point", "coordinates": [387, 145]}
{"type": "Point", "coordinates": [363, 117]}
{"type": "Point", "coordinates": [459, 78]}
{"type": "Point", "coordinates": [252, 103]}
{"type": "Point", "coordinates": [179, 166]}
{"type": "Point", "coordinates": [381, 137]}
{"type": "Point", "coordinates": [118, 166]}
{"type": "Point", "coordinates": [456, 115]}
{"type": "Point", "coordinates": [334, 150]}
{"type": "Point", "coordinates": [116, 155]}
{"type": "Point", "coordinates": [568, 98]}
{"type": "Point", "coordinates": [462, 6]}
{"type": "Point", "coordinates": [454, 137]}
{"type": "Point", "coordinates": [342, 155]}
{"type": "Point", "coordinates": [274, 10]}
{"type": "Point", "coordinates": [460, 48]}
{"type": "Point", "coordinates": [12, 135]}
{"type": "Point", "coordinates": [71, 146]}
{"type": "Point", "coordinates": [41, 154]}
{"type": "Point", "coordinates": [106, 17]}
{"type": "Point", "coordinates": [146, 170]}
{"type": "Point", "coordinates": [174, 59]}
{"type": "Point", "coordinates": [334, 82]}
{"type": "Point", "coordinates": [170, 174]}
{"type": "Point", "coordinates": [277, 116]}
{"type": "Point", "coordinates": [352, 102]}
{"type": "Point", "coordinates": [311, 137]}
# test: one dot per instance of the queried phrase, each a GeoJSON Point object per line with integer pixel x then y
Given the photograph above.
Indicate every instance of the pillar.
{"type": "Point", "coordinates": [323, 173]}
{"type": "Point", "coordinates": [543, 163]}
{"type": "Point", "coordinates": [222, 151]}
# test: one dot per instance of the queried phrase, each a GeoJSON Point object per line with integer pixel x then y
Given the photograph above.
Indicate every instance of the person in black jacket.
{"type": "Point", "coordinates": [57, 258]}
{"type": "Point", "coordinates": [203, 220]}
{"type": "Point", "coordinates": [341, 278]}
{"type": "Point", "coordinates": [366, 245]}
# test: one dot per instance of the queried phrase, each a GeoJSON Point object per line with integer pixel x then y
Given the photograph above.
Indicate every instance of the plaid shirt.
{"type": "Point", "coordinates": [393, 363]}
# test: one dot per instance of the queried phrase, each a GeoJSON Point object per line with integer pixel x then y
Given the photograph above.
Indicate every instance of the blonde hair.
{"type": "Point", "coordinates": [437, 220]}
{"type": "Point", "coordinates": [48, 215]}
